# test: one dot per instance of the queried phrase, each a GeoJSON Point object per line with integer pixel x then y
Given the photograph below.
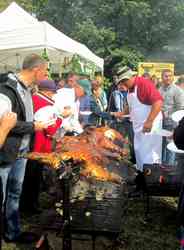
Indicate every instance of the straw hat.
{"type": "Point", "coordinates": [124, 73]}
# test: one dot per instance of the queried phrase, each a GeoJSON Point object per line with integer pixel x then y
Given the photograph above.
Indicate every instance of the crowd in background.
{"type": "Point", "coordinates": [133, 102]}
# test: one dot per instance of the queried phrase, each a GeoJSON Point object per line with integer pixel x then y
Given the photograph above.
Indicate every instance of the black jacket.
{"type": "Point", "coordinates": [179, 135]}
{"type": "Point", "coordinates": [10, 149]}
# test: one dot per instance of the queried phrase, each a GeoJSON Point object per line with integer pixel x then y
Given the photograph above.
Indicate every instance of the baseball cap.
{"type": "Point", "coordinates": [47, 85]}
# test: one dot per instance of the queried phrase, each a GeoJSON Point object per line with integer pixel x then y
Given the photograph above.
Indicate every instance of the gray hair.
{"type": "Point", "coordinates": [33, 60]}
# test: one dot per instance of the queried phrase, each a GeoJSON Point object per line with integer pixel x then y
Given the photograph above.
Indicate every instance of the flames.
{"type": "Point", "coordinates": [92, 149]}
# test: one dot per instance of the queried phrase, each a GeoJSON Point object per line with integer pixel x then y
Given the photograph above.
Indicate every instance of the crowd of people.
{"type": "Point", "coordinates": [136, 107]}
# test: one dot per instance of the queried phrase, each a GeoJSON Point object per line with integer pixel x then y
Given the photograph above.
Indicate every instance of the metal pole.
{"type": "Point", "coordinates": [65, 185]}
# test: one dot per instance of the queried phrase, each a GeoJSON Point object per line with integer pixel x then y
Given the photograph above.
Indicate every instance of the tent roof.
{"type": "Point", "coordinates": [22, 34]}
{"type": "Point", "coordinates": [15, 17]}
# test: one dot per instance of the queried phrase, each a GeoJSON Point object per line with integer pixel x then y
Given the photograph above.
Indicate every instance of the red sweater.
{"type": "Point", "coordinates": [43, 139]}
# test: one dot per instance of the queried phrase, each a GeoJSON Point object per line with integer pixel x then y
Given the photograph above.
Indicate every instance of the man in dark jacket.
{"type": "Point", "coordinates": [17, 89]}
{"type": "Point", "coordinates": [179, 141]}
{"type": "Point", "coordinates": [179, 135]}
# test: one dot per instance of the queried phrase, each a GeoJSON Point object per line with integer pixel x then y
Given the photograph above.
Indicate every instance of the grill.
{"type": "Point", "coordinates": [92, 216]}
{"type": "Point", "coordinates": [104, 216]}
{"type": "Point", "coordinates": [160, 180]}
{"type": "Point", "coordinates": [163, 180]}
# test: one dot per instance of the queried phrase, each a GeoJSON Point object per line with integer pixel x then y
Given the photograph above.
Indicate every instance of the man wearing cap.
{"type": "Point", "coordinates": [144, 107]}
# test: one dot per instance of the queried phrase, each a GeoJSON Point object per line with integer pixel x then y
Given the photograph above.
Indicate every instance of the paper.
{"type": "Point", "coordinates": [50, 122]}
{"type": "Point", "coordinates": [172, 147]}
{"type": "Point", "coordinates": [65, 97]}
{"type": "Point", "coordinates": [46, 114]}
{"type": "Point", "coordinates": [162, 132]}
{"type": "Point", "coordinates": [178, 115]}
{"type": "Point", "coordinates": [85, 112]}
{"type": "Point", "coordinates": [5, 105]}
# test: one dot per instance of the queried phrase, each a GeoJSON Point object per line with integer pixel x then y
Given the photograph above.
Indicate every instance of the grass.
{"type": "Point", "coordinates": [159, 233]}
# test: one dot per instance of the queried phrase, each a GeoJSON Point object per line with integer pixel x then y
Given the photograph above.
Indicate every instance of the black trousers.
{"type": "Point", "coordinates": [31, 186]}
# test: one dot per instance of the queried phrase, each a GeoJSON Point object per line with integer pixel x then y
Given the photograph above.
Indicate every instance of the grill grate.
{"type": "Point", "coordinates": [99, 216]}
{"type": "Point", "coordinates": [106, 215]}
{"type": "Point", "coordinates": [97, 207]}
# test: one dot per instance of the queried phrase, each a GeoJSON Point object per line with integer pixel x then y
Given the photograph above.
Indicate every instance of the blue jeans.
{"type": "Point", "coordinates": [168, 157]}
{"type": "Point", "coordinates": [12, 179]}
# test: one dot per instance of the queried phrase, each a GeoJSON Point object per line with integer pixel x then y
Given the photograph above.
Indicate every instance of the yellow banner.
{"type": "Point", "coordinates": [154, 69]}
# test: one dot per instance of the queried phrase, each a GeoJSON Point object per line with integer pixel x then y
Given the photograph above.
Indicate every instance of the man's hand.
{"type": "Point", "coordinates": [117, 114]}
{"type": "Point", "coordinates": [121, 114]}
{"type": "Point", "coordinates": [147, 126]}
{"type": "Point", "coordinates": [8, 120]}
{"type": "Point", "coordinates": [155, 109]}
{"type": "Point", "coordinates": [40, 126]}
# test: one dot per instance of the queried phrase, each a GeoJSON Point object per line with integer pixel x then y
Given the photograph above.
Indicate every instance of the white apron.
{"type": "Point", "coordinates": [147, 146]}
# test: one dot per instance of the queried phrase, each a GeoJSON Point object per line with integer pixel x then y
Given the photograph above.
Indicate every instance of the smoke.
{"type": "Point", "coordinates": [169, 30]}
{"type": "Point", "coordinates": [173, 52]}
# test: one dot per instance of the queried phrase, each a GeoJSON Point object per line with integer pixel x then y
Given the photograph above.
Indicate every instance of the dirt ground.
{"type": "Point", "coordinates": [158, 233]}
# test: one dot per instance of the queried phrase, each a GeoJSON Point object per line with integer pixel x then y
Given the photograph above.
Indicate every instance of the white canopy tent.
{"type": "Point", "coordinates": [22, 34]}
{"type": "Point", "coordinates": [20, 18]}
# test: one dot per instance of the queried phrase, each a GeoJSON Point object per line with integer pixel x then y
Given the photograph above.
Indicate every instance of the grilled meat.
{"type": "Point", "coordinates": [93, 148]}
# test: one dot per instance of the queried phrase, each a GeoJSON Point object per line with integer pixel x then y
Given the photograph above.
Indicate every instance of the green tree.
{"type": "Point", "coordinates": [63, 14]}
{"type": "Point", "coordinates": [121, 31]}
{"type": "Point", "coordinates": [23, 3]}
{"type": "Point", "coordinates": [101, 40]}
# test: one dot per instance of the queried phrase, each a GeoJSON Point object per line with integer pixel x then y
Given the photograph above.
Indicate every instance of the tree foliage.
{"type": "Point", "coordinates": [120, 31]}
